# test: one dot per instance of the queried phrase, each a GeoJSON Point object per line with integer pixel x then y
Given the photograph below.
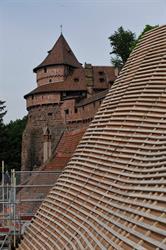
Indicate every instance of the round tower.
{"type": "Point", "coordinates": [43, 104]}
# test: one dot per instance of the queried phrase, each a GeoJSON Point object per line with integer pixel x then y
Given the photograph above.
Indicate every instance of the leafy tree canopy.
{"type": "Point", "coordinates": [3, 135]}
{"type": "Point", "coordinates": [123, 42]}
{"type": "Point", "coordinates": [14, 132]}
{"type": "Point", "coordinates": [2, 111]}
{"type": "Point", "coordinates": [146, 29]}
{"type": "Point", "coordinates": [10, 140]}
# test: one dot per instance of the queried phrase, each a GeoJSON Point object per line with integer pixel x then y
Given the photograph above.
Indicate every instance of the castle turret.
{"type": "Point", "coordinates": [62, 82]}
{"type": "Point", "coordinates": [58, 64]}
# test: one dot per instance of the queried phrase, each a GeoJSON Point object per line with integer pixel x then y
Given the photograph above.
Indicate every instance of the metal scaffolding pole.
{"type": "Point", "coordinates": [14, 208]}
{"type": "Point", "coordinates": [3, 191]}
{"type": "Point", "coordinates": [18, 193]}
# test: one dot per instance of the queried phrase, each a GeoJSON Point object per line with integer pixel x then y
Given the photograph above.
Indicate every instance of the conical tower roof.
{"type": "Point", "coordinates": [60, 54]}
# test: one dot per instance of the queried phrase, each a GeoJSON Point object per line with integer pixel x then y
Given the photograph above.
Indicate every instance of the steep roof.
{"type": "Point", "coordinates": [93, 98]}
{"type": "Point", "coordinates": [61, 53]}
{"type": "Point", "coordinates": [112, 193]}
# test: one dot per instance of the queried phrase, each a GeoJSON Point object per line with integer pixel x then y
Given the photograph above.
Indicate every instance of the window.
{"type": "Point", "coordinates": [76, 110]}
{"type": "Point", "coordinates": [45, 70]}
{"type": "Point", "coordinates": [76, 79]}
{"type": "Point", "coordinates": [50, 114]}
{"type": "Point", "coordinates": [50, 80]}
{"type": "Point", "coordinates": [66, 111]}
{"type": "Point", "coordinates": [101, 73]}
{"type": "Point", "coordinates": [101, 79]}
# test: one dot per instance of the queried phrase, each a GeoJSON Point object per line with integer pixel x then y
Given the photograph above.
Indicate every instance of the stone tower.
{"type": "Point", "coordinates": [44, 104]}
{"type": "Point", "coordinates": [67, 94]}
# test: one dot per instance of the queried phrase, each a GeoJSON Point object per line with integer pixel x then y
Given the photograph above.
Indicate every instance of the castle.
{"type": "Point", "coordinates": [67, 96]}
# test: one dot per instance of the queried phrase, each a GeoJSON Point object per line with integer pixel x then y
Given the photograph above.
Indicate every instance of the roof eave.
{"type": "Point", "coordinates": [49, 65]}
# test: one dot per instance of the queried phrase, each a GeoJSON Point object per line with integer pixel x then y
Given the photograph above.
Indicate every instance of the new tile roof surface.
{"type": "Point", "coordinates": [112, 194]}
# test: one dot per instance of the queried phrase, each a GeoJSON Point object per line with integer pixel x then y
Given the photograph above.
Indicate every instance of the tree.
{"type": "Point", "coordinates": [10, 140]}
{"type": "Point", "coordinates": [3, 135]}
{"type": "Point", "coordinates": [122, 42]}
{"type": "Point", "coordinates": [2, 111]}
{"type": "Point", "coordinates": [14, 132]}
{"type": "Point", "coordinates": [146, 29]}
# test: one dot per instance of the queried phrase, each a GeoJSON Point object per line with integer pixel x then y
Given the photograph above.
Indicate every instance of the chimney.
{"type": "Point", "coordinates": [89, 79]}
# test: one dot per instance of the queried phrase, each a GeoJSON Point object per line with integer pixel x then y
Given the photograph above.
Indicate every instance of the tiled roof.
{"type": "Point", "coordinates": [61, 53]}
{"type": "Point", "coordinates": [112, 193]}
{"type": "Point", "coordinates": [77, 81]}
{"type": "Point", "coordinates": [65, 149]}
{"type": "Point", "coordinates": [68, 85]}
{"type": "Point", "coordinates": [93, 98]}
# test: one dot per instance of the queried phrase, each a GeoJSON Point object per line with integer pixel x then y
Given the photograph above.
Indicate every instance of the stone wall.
{"type": "Point", "coordinates": [82, 113]}
{"type": "Point", "coordinates": [56, 117]}
{"type": "Point", "coordinates": [51, 74]}
{"type": "Point", "coordinates": [41, 99]}
{"type": "Point", "coordinates": [33, 137]}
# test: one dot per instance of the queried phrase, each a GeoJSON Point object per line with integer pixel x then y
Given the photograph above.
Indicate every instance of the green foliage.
{"type": "Point", "coordinates": [3, 134]}
{"type": "Point", "coordinates": [146, 29]}
{"type": "Point", "coordinates": [122, 43]}
{"type": "Point", "coordinates": [2, 111]}
{"type": "Point", "coordinates": [14, 132]}
{"type": "Point", "coordinates": [10, 140]}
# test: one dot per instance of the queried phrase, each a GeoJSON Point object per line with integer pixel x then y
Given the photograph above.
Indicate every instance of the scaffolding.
{"type": "Point", "coordinates": [21, 194]}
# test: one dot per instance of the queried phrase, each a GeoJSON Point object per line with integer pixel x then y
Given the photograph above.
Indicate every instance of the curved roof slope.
{"type": "Point", "coordinates": [61, 53]}
{"type": "Point", "coordinates": [112, 194]}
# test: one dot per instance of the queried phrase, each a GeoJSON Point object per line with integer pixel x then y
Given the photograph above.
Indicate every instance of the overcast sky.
{"type": "Point", "coordinates": [29, 28]}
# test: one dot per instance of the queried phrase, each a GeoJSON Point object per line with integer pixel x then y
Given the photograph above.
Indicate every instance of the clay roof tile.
{"type": "Point", "coordinates": [61, 53]}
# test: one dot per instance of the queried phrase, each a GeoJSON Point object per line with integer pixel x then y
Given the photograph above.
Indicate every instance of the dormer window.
{"type": "Point", "coordinates": [45, 70]}
{"type": "Point", "coordinates": [76, 79]}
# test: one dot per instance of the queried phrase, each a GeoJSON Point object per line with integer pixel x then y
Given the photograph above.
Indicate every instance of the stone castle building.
{"type": "Point", "coordinates": [67, 96]}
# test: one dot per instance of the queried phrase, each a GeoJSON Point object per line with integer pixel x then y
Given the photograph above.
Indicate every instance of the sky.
{"type": "Point", "coordinates": [28, 29]}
